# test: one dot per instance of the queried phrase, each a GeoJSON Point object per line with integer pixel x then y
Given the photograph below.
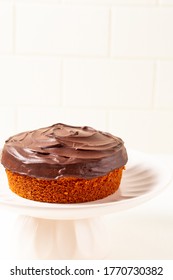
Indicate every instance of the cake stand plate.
{"type": "Point", "coordinates": [78, 231]}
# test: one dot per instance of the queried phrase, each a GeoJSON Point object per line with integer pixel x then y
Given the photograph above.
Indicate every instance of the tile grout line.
{"type": "Point", "coordinates": [91, 57]}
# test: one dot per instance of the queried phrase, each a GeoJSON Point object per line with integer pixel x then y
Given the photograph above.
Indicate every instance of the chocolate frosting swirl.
{"type": "Point", "coordinates": [63, 150]}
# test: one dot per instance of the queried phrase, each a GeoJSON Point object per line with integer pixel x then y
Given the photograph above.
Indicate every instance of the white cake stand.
{"type": "Point", "coordinates": [78, 231]}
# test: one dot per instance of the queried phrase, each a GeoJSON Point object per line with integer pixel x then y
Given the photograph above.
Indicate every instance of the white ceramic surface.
{"type": "Point", "coordinates": [143, 178]}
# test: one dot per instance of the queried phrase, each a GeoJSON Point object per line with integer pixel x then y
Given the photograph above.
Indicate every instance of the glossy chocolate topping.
{"type": "Point", "coordinates": [63, 150]}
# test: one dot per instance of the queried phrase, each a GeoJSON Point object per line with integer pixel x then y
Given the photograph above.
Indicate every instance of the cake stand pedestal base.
{"type": "Point", "coordinates": [81, 230]}
{"type": "Point", "coordinates": [37, 238]}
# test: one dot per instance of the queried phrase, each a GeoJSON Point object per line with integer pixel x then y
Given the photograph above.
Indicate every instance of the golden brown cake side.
{"type": "Point", "coordinates": [65, 189]}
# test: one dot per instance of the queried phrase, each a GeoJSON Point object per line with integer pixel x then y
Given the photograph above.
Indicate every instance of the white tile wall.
{"type": "Point", "coordinates": [147, 131]}
{"type": "Point", "coordinates": [27, 118]}
{"type": "Point", "coordinates": [142, 32]}
{"type": "Point", "coordinates": [61, 30]}
{"type": "Point", "coordinates": [7, 123]}
{"type": "Point", "coordinates": [108, 2]}
{"type": "Point", "coordinates": [103, 63]}
{"type": "Point", "coordinates": [29, 80]}
{"type": "Point", "coordinates": [164, 85]}
{"type": "Point", "coordinates": [166, 2]}
{"type": "Point", "coordinates": [106, 83]}
{"type": "Point", "coordinates": [6, 27]}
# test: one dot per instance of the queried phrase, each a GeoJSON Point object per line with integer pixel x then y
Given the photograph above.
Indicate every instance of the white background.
{"type": "Point", "coordinates": [103, 63]}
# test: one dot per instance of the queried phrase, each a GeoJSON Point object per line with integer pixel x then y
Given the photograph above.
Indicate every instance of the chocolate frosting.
{"type": "Point", "coordinates": [63, 150]}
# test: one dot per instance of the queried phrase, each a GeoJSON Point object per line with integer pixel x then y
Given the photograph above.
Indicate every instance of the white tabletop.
{"type": "Point", "coordinates": [143, 232]}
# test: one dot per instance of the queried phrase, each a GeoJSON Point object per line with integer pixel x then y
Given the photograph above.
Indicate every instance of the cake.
{"type": "Point", "coordinates": [64, 164]}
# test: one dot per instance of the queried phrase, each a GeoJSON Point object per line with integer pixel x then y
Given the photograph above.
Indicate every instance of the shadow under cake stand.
{"type": "Point", "coordinates": [79, 231]}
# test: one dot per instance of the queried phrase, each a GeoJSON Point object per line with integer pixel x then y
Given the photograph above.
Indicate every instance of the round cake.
{"type": "Point", "coordinates": [64, 164]}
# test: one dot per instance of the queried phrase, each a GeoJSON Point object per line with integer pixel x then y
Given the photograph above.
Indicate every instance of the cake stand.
{"type": "Point", "coordinates": [79, 231]}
